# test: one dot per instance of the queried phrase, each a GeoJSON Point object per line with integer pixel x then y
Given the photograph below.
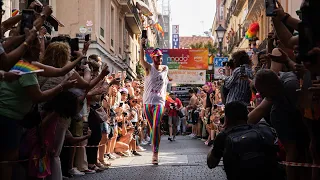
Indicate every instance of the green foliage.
{"type": "Point", "coordinates": [140, 70]}
{"type": "Point", "coordinates": [208, 45]}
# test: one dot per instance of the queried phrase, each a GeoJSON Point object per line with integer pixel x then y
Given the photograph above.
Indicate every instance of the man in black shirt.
{"type": "Point", "coordinates": [248, 151]}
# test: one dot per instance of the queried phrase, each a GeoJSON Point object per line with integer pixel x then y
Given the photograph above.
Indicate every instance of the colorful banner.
{"type": "Point", "coordinates": [191, 59]}
{"type": "Point", "coordinates": [187, 76]}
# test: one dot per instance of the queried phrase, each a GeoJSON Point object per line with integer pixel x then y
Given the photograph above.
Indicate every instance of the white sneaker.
{"type": "Point", "coordinates": [75, 172]}
{"type": "Point", "coordinates": [144, 142]}
{"type": "Point", "coordinates": [148, 139]}
{"type": "Point", "coordinates": [116, 155]}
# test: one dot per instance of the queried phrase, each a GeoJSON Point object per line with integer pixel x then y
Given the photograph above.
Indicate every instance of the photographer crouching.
{"type": "Point", "coordinates": [239, 74]}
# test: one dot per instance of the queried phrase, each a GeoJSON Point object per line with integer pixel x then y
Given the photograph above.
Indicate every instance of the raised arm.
{"type": "Point", "coordinates": [50, 71]}
{"type": "Point", "coordinates": [259, 112]}
{"type": "Point", "coordinates": [7, 61]}
{"type": "Point", "coordinates": [143, 62]}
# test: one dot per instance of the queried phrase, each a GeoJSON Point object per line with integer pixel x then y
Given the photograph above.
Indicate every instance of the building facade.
{"type": "Point", "coordinates": [164, 17]}
{"type": "Point", "coordinates": [187, 42]}
{"type": "Point", "coordinates": [240, 14]}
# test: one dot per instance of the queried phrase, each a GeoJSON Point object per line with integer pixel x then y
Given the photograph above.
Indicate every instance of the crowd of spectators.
{"type": "Point", "coordinates": [72, 116]}
{"type": "Point", "coordinates": [279, 86]}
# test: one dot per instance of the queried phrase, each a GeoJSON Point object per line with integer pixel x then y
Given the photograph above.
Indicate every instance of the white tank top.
{"type": "Point", "coordinates": [155, 86]}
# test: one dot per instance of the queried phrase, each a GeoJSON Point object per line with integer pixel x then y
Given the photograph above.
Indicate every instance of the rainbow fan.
{"type": "Point", "coordinates": [23, 67]}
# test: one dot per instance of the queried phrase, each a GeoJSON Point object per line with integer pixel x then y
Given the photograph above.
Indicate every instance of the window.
{"type": "Point", "coordinates": [221, 13]}
{"type": "Point", "coordinates": [120, 36]}
{"type": "Point", "coordinates": [112, 25]}
{"type": "Point", "coordinates": [102, 18]}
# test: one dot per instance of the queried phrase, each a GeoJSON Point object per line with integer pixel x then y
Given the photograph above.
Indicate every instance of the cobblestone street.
{"type": "Point", "coordinates": [183, 159]}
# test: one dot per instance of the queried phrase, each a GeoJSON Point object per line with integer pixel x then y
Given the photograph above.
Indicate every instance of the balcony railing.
{"type": "Point", "coordinates": [235, 40]}
{"type": "Point", "coordinates": [250, 3]}
{"type": "Point", "coordinates": [134, 11]}
{"type": "Point", "coordinates": [236, 6]}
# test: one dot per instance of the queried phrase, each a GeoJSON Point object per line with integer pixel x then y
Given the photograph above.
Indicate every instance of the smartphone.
{"type": "Point", "coordinates": [121, 104]}
{"type": "Point", "coordinates": [27, 20]}
{"type": "Point", "coordinates": [145, 36]}
{"type": "Point", "coordinates": [270, 7]}
{"type": "Point", "coordinates": [242, 70]}
{"type": "Point", "coordinates": [87, 38]}
{"type": "Point", "coordinates": [74, 43]}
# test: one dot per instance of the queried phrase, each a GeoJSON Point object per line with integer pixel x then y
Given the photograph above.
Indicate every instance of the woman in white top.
{"type": "Point", "coordinates": [154, 96]}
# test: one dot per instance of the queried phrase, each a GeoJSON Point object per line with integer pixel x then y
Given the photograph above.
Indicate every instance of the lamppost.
{"type": "Point", "coordinates": [220, 34]}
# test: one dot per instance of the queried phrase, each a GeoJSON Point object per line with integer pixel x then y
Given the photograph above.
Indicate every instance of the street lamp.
{"type": "Point", "coordinates": [220, 34]}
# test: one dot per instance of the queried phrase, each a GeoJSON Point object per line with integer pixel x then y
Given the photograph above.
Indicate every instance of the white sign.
{"type": "Point", "coordinates": [219, 73]}
{"type": "Point", "coordinates": [175, 29]}
{"type": "Point", "coordinates": [83, 29]}
{"type": "Point", "coordinates": [187, 76]}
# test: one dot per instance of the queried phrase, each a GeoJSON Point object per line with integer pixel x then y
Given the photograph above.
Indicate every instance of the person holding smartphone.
{"type": "Point", "coordinates": [154, 96]}
{"type": "Point", "coordinates": [238, 83]}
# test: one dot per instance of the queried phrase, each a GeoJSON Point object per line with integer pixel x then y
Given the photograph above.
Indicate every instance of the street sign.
{"type": "Point", "coordinates": [175, 41]}
{"type": "Point", "coordinates": [175, 29]}
{"type": "Point", "coordinates": [218, 61]}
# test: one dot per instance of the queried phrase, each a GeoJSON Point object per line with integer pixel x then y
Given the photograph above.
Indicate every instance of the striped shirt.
{"type": "Point", "coordinates": [239, 89]}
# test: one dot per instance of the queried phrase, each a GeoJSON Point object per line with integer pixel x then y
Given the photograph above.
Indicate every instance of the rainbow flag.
{"type": "Point", "coordinates": [23, 67]}
{"type": "Point", "coordinates": [14, 12]}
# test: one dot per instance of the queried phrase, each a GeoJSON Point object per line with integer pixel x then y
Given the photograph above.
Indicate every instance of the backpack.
{"type": "Point", "coordinates": [248, 149]}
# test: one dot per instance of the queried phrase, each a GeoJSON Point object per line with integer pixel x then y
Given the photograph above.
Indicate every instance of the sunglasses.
{"type": "Point", "coordinates": [134, 101]}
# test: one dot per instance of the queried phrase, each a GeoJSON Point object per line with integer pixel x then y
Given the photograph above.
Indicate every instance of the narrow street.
{"type": "Point", "coordinates": [183, 159]}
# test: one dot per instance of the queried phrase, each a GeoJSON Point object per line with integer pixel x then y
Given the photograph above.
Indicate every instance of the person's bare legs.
{"type": "Point", "coordinates": [102, 148]}
{"type": "Point", "coordinates": [72, 152]}
{"type": "Point", "coordinates": [170, 122]}
{"type": "Point", "coordinates": [121, 147]}
{"type": "Point", "coordinates": [291, 156]}
{"type": "Point", "coordinates": [199, 129]}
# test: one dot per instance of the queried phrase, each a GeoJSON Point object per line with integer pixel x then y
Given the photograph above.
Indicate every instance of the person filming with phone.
{"type": "Point", "coordinates": [237, 84]}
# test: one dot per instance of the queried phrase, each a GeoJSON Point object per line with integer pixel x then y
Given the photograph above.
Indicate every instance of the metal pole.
{"type": "Point", "coordinates": [220, 49]}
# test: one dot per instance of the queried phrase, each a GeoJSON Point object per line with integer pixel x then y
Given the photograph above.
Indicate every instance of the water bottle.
{"type": "Point", "coordinates": [258, 99]}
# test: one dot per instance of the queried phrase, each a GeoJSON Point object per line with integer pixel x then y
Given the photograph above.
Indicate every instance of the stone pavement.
{"type": "Point", "coordinates": [183, 159]}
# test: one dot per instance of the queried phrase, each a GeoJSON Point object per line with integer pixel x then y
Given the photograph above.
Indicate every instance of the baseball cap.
{"type": "Point", "coordinates": [156, 52]}
{"type": "Point", "coordinates": [124, 90]}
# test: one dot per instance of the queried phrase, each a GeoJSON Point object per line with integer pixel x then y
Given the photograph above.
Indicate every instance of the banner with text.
{"type": "Point", "coordinates": [187, 76]}
{"type": "Point", "coordinates": [191, 59]}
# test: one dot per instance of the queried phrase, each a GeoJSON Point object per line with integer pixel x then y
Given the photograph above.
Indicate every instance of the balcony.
{"type": "Point", "coordinates": [254, 7]}
{"type": "Point", "coordinates": [235, 40]}
{"type": "Point", "coordinates": [236, 6]}
{"type": "Point", "coordinates": [125, 6]}
{"type": "Point", "coordinates": [133, 18]}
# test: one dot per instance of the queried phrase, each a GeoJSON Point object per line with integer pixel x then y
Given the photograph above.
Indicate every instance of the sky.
{"type": "Point", "coordinates": [193, 16]}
